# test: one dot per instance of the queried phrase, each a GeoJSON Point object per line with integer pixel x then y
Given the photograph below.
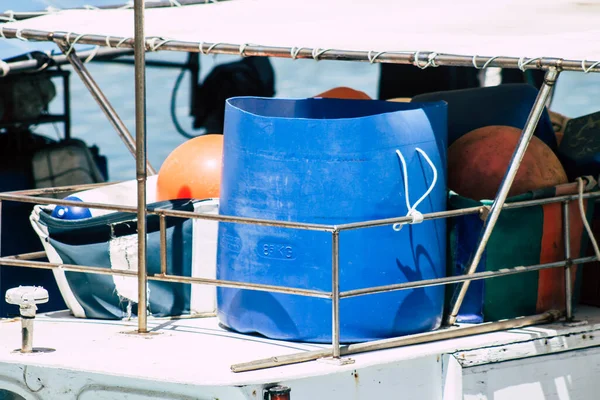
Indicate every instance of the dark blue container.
{"type": "Point", "coordinates": [331, 161]}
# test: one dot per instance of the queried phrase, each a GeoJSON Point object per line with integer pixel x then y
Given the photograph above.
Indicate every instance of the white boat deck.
{"type": "Point", "coordinates": [199, 352]}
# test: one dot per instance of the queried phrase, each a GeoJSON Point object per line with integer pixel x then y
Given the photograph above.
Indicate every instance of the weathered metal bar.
{"type": "Point", "coordinates": [140, 159]}
{"type": "Point", "coordinates": [99, 96]}
{"type": "Point", "coordinates": [465, 211]}
{"type": "Point", "coordinates": [519, 153]}
{"type": "Point", "coordinates": [427, 337]}
{"type": "Point", "coordinates": [28, 256]}
{"type": "Point", "coordinates": [462, 278]}
{"type": "Point", "coordinates": [241, 285]}
{"type": "Point", "coordinates": [335, 294]}
{"type": "Point", "coordinates": [12, 196]}
{"type": "Point", "coordinates": [14, 262]}
{"type": "Point", "coordinates": [61, 59]}
{"type": "Point", "coordinates": [170, 213]}
{"type": "Point", "coordinates": [60, 189]}
{"type": "Point", "coordinates": [408, 57]}
{"type": "Point", "coordinates": [163, 244]}
{"type": "Point", "coordinates": [568, 262]}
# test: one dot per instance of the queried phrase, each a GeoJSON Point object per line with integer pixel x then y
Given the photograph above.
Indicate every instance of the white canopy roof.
{"type": "Point", "coordinates": [567, 29]}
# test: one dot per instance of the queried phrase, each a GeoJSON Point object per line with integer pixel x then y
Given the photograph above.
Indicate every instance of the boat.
{"type": "Point", "coordinates": [549, 355]}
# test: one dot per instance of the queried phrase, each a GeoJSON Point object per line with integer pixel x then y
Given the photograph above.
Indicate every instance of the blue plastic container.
{"type": "Point", "coordinates": [330, 161]}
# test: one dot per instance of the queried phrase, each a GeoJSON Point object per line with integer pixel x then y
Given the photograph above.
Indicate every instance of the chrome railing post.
{"type": "Point", "coordinates": [515, 162]}
{"type": "Point", "coordinates": [335, 293]}
{"type": "Point", "coordinates": [140, 158]}
{"type": "Point", "coordinates": [568, 263]}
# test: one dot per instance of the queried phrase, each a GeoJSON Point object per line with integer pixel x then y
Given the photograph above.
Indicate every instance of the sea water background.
{"type": "Point", "coordinates": [576, 94]}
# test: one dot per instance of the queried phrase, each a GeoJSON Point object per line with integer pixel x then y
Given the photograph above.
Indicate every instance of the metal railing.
{"type": "Point", "coordinates": [335, 295]}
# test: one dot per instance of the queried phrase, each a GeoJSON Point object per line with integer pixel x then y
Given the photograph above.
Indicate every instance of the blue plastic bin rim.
{"type": "Point", "coordinates": [377, 107]}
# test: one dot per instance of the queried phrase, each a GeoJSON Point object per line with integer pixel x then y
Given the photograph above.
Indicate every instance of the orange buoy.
{"type": "Point", "coordinates": [192, 170]}
{"type": "Point", "coordinates": [343, 92]}
{"type": "Point", "coordinates": [478, 161]}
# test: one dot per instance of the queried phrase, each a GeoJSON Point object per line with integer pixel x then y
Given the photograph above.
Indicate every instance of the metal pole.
{"type": "Point", "coordinates": [67, 105]}
{"type": "Point", "coordinates": [544, 63]}
{"type": "Point", "coordinates": [100, 98]}
{"type": "Point", "coordinates": [140, 158]}
{"type": "Point", "coordinates": [568, 263]}
{"type": "Point", "coordinates": [60, 59]}
{"type": "Point", "coordinates": [409, 340]}
{"type": "Point", "coordinates": [335, 293]}
{"type": "Point", "coordinates": [515, 162]}
{"type": "Point", "coordinates": [163, 245]}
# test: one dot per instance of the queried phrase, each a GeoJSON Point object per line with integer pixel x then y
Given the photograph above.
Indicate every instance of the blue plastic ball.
{"type": "Point", "coordinates": [71, 213]}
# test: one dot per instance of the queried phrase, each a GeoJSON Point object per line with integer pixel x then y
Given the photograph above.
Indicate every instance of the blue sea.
{"type": "Point", "coordinates": [576, 94]}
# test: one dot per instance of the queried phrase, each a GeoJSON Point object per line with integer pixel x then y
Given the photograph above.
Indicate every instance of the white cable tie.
{"type": "Point", "coordinates": [92, 55]}
{"type": "Point", "coordinates": [373, 58]}
{"type": "Point", "coordinates": [485, 65]}
{"type": "Point", "coordinates": [211, 48]}
{"type": "Point", "coordinates": [10, 18]}
{"type": "Point", "coordinates": [522, 63]}
{"type": "Point", "coordinates": [430, 60]}
{"type": "Point", "coordinates": [4, 68]}
{"type": "Point", "coordinates": [18, 35]}
{"type": "Point", "coordinates": [121, 42]}
{"type": "Point", "coordinates": [294, 51]}
{"type": "Point", "coordinates": [243, 49]}
{"type": "Point", "coordinates": [72, 45]}
{"type": "Point", "coordinates": [590, 68]}
{"type": "Point", "coordinates": [316, 53]}
{"type": "Point", "coordinates": [155, 46]}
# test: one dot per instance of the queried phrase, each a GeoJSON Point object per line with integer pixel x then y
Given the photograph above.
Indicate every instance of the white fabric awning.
{"type": "Point", "coordinates": [567, 29]}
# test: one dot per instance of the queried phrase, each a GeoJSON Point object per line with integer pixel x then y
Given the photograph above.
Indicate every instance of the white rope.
{"type": "Point", "coordinates": [522, 63]}
{"type": "Point", "coordinates": [430, 60]}
{"type": "Point", "coordinates": [294, 52]}
{"type": "Point", "coordinates": [89, 7]}
{"type": "Point", "coordinates": [2, 32]}
{"type": "Point", "coordinates": [373, 58]}
{"type": "Point", "coordinates": [174, 3]}
{"type": "Point", "coordinates": [4, 68]}
{"type": "Point", "coordinates": [121, 42]}
{"type": "Point", "coordinates": [92, 55]}
{"type": "Point", "coordinates": [107, 40]}
{"type": "Point", "coordinates": [155, 46]}
{"type": "Point", "coordinates": [316, 53]}
{"type": "Point", "coordinates": [127, 6]}
{"type": "Point", "coordinates": [72, 45]}
{"type": "Point", "coordinates": [416, 216]}
{"type": "Point", "coordinates": [584, 219]}
{"type": "Point", "coordinates": [243, 49]}
{"type": "Point", "coordinates": [485, 65]}
{"type": "Point", "coordinates": [18, 35]}
{"type": "Point", "coordinates": [590, 68]}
